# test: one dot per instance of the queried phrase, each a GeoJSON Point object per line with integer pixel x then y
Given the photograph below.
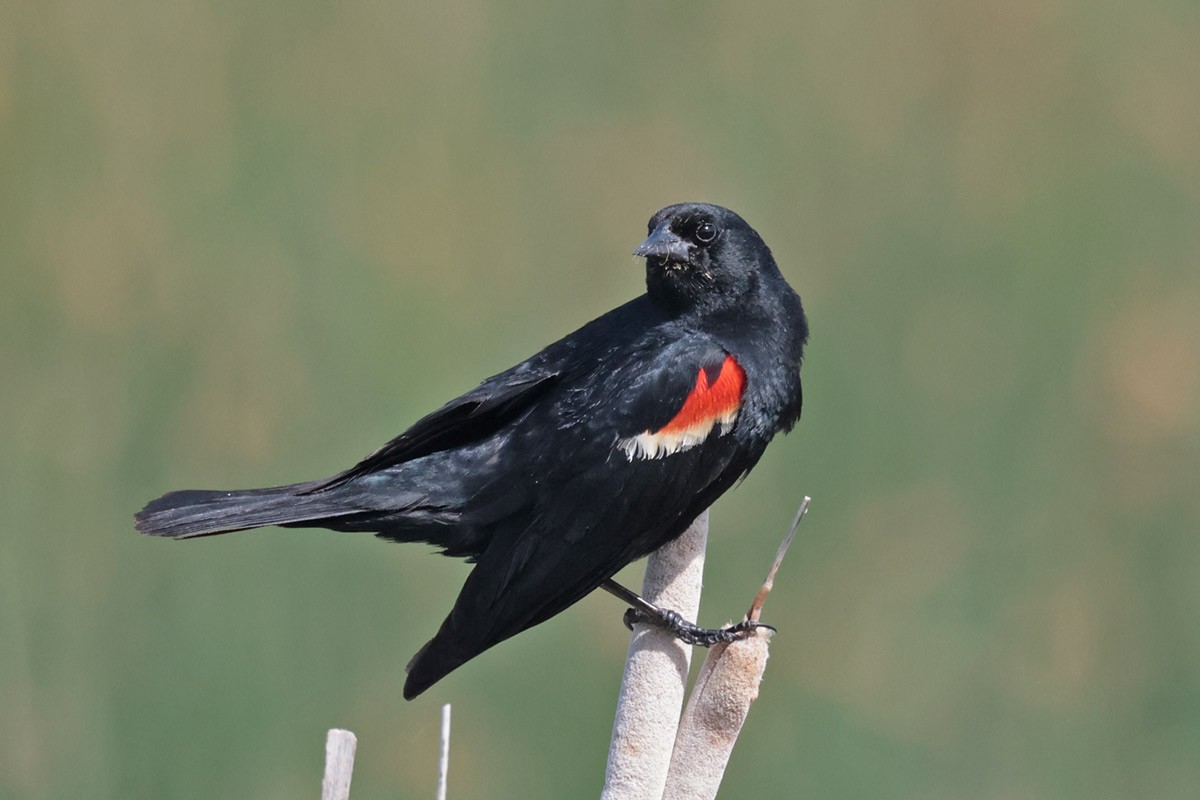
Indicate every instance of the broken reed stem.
{"type": "Point", "coordinates": [339, 764]}
{"type": "Point", "coordinates": [769, 583]}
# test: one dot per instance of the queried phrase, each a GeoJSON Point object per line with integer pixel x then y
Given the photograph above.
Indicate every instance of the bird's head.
{"type": "Point", "coordinates": [701, 256]}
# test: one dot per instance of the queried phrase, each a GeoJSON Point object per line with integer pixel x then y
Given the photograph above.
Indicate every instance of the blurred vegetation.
{"type": "Point", "coordinates": [244, 244]}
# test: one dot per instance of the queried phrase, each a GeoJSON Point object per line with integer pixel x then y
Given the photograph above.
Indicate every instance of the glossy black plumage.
{"type": "Point", "coordinates": [596, 451]}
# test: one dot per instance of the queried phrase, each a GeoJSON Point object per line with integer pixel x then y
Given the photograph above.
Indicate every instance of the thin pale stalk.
{"type": "Point", "coordinates": [444, 754]}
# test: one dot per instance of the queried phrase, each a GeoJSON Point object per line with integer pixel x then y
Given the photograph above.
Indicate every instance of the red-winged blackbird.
{"type": "Point", "coordinates": [552, 476]}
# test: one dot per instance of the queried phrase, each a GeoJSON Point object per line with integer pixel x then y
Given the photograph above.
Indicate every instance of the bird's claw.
{"type": "Point", "coordinates": [690, 632]}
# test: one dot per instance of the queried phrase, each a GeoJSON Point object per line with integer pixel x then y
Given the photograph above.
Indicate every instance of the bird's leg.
{"type": "Point", "coordinates": [688, 632]}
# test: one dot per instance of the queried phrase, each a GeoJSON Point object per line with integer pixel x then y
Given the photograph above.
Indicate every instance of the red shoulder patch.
{"type": "Point", "coordinates": [712, 403]}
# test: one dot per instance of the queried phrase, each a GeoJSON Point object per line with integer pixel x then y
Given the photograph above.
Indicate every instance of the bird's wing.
{"type": "Point", "coordinates": [471, 417]}
{"type": "Point", "coordinates": [690, 392]}
{"type": "Point", "coordinates": [606, 502]}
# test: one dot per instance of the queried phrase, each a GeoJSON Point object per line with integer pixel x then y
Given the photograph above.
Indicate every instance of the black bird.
{"type": "Point", "coordinates": [553, 475]}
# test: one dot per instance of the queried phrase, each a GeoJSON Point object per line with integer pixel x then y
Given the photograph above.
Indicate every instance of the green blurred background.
{"type": "Point", "coordinates": [245, 243]}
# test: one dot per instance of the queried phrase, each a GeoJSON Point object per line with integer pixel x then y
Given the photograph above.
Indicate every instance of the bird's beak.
{"type": "Point", "coordinates": [663, 243]}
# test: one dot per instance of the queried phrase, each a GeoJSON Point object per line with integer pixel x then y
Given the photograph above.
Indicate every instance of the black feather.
{"type": "Point", "coordinates": [192, 513]}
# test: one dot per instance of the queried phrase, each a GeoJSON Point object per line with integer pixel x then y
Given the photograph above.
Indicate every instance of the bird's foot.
{"type": "Point", "coordinates": [690, 632]}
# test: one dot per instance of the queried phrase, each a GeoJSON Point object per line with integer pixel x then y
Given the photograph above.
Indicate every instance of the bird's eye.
{"type": "Point", "coordinates": [706, 233]}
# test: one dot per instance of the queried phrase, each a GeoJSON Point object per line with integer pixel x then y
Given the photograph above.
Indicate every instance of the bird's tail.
{"type": "Point", "coordinates": [198, 512]}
